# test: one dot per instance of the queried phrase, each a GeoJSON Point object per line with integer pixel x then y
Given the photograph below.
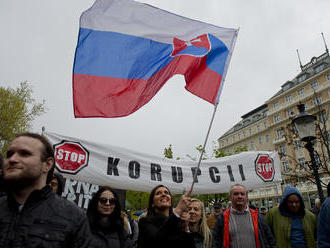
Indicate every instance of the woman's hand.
{"type": "Point", "coordinates": [183, 204]}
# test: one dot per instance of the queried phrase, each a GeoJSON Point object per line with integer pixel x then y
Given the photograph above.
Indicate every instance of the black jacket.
{"type": "Point", "coordinates": [46, 220]}
{"type": "Point", "coordinates": [161, 231]}
{"type": "Point", "coordinates": [266, 238]}
{"type": "Point", "coordinates": [111, 239]}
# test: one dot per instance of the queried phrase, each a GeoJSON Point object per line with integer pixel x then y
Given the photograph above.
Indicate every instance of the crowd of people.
{"type": "Point", "coordinates": [33, 214]}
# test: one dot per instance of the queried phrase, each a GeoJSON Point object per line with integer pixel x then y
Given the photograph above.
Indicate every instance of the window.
{"type": "Point", "coordinates": [233, 138]}
{"type": "Point", "coordinates": [286, 167]}
{"type": "Point", "coordinates": [323, 117]}
{"type": "Point", "coordinates": [319, 68]}
{"type": "Point", "coordinates": [275, 104]}
{"type": "Point", "coordinates": [290, 112]}
{"type": "Point", "coordinates": [252, 145]}
{"type": "Point", "coordinates": [288, 98]}
{"type": "Point", "coordinates": [244, 134]}
{"type": "Point", "coordinates": [227, 141]}
{"type": "Point", "coordinates": [280, 133]}
{"type": "Point", "coordinates": [286, 87]}
{"type": "Point", "coordinates": [327, 135]}
{"type": "Point", "coordinates": [297, 145]}
{"type": "Point", "coordinates": [301, 92]}
{"type": "Point", "coordinates": [265, 124]}
{"type": "Point", "coordinates": [317, 100]}
{"type": "Point", "coordinates": [276, 118]}
{"type": "Point", "coordinates": [282, 149]}
{"type": "Point", "coordinates": [302, 163]}
{"type": "Point", "coordinates": [260, 140]}
{"type": "Point", "coordinates": [239, 136]}
{"type": "Point", "coordinates": [302, 78]}
{"type": "Point", "coordinates": [314, 85]}
{"type": "Point", "coordinates": [328, 76]}
{"type": "Point", "coordinates": [267, 138]}
{"type": "Point", "coordinates": [258, 128]}
{"type": "Point", "coordinates": [250, 131]}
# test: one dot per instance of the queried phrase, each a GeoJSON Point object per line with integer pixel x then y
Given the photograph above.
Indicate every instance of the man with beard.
{"type": "Point", "coordinates": [32, 215]}
{"type": "Point", "coordinates": [292, 224]}
{"type": "Point", "coordinates": [240, 226]}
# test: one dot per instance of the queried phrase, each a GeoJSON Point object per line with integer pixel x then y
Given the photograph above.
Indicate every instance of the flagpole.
{"type": "Point", "coordinates": [201, 156]}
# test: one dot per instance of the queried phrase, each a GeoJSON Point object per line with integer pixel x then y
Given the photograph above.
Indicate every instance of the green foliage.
{"type": "Point", "coordinates": [168, 153]}
{"type": "Point", "coordinates": [17, 111]}
{"type": "Point", "coordinates": [219, 153]}
{"type": "Point", "coordinates": [210, 199]}
{"type": "Point", "coordinates": [241, 149]}
{"type": "Point", "coordinates": [136, 199]}
{"type": "Point", "coordinates": [200, 150]}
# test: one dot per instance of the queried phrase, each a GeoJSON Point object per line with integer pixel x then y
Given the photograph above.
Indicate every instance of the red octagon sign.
{"type": "Point", "coordinates": [70, 157]}
{"type": "Point", "coordinates": [265, 167]}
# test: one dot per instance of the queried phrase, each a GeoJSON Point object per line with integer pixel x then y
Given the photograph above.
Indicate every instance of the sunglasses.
{"type": "Point", "coordinates": [104, 201]}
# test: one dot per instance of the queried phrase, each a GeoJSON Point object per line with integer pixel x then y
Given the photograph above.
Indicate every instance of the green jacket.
{"type": "Point", "coordinates": [281, 228]}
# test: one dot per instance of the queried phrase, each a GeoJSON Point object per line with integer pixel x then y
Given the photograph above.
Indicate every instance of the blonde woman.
{"type": "Point", "coordinates": [197, 224]}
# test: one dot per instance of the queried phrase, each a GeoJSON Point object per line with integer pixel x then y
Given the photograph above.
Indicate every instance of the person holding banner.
{"type": "Point", "coordinates": [197, 224]}
{"type": "Point", "coordinates": [163, 226]}
{"type": "Point", "coordinates": [106, 223]}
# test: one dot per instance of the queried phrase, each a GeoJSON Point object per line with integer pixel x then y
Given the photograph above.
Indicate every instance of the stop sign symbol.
{"type": "Point", "coordinates": [70, 157]}
{"type": "Point", "coordinates": [265, 167]}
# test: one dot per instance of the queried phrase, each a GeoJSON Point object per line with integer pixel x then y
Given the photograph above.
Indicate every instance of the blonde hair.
{"type": "Point", "coordinates": [203, 227]}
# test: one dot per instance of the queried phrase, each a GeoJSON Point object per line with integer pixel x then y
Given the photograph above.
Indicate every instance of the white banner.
{"type": "Point", "coordinates": [125, 169]}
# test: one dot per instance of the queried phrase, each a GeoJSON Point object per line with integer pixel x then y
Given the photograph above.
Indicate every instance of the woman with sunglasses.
{"type": "Point", "coordinates": [163, 225]}
{"type": "Point", "coordinates": [106, 223]}
{"type": "Point", "coordinates": [197, 224]}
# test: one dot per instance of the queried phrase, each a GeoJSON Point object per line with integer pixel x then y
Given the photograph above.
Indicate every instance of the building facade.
{"type": "Point", "coordinates": [269, 128]}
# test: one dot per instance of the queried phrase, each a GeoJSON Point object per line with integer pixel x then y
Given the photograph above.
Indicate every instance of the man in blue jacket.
{"type": "Point", "coordinates": [323, 235]}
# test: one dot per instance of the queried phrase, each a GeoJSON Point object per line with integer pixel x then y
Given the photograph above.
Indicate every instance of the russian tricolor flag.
{"type": "Point", "coordinates": [127, 51]}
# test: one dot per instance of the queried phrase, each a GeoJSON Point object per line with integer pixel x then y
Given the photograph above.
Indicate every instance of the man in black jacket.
{"type": "Point", "coordinates": [32, 215]}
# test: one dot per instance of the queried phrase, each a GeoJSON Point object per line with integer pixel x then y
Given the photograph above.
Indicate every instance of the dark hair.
{"type": "Point", "coordinates": [151, 210]}
{"type": "Point", "coordinates": [115, 222]}
{"type": "Point", "coordinates": [328, 189]}
{"type": "Point", "coordinates": [60, 183]}
{"type": "Point", "coordinates": [47, 152]}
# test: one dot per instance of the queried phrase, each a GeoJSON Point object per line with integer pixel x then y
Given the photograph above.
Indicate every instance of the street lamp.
{"type": "Point", "coordinates": [304, 123]}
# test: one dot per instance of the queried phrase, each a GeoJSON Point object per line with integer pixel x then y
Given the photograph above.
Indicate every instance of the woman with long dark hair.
{"type": "Point", "coordinates": [106, 223]}
{"type": "Point", "coordinates": [163, 227]}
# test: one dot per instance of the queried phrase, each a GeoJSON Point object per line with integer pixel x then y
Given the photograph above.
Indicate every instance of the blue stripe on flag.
{"type": "Point", "coordinates": [110, 54]}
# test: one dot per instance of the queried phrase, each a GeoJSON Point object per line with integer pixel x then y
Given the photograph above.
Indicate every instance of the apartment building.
{"type": "Point", "coordinates": [268, 127]}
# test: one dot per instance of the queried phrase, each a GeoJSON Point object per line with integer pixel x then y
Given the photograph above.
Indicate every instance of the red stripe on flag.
{"type": "Point", "coordinates": [95, 96]}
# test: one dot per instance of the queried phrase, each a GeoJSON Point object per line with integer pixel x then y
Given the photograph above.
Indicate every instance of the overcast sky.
{"type": "Point", "coordinates": [38, 39]}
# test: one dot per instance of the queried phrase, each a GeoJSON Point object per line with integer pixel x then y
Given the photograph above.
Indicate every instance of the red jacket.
{"type": "Point", "coordinates": [226, 239]}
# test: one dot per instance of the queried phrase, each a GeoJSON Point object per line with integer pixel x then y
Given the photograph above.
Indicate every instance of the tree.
{"type": "Point", "coordinates": [136, 199]}
{"type": "Point", "coordinates": [303, 170]}
{"type": "Point", "coordinates": [17, 111]}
